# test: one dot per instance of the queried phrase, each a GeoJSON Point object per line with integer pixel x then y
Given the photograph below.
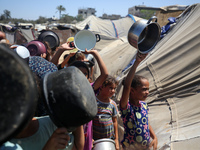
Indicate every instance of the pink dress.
{"type": "Point", "coordinates": [88, 135]}
{"type": "Point", "coordinates": [88, 130]}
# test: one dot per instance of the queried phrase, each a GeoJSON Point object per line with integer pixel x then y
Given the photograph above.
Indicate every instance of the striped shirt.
{"type": "Point", "coordinates": [102, 124]}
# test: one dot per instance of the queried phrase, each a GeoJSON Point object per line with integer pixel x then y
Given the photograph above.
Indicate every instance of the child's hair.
{"type": "Point", "coordinates": [81, 64]}
{"type": "Point", "coordinates": [71, 59]}
{"type": "Point", "coordinates": [109, 81]}
{"type": "Point", "coordinates": [137, 81]}
{"type": "Point", "coordinates": [79, 55]}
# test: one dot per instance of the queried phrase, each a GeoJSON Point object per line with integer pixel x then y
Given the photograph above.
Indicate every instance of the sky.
{"type": "Point", "coordinates": [32, 9]}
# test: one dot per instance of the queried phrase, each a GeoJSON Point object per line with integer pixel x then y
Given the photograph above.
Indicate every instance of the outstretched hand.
{"type": "Point", "coordinates": [88, 51]}
{"type": "Point", "coordinates": [66, 46]}
{"type": "Point", "coordinates": [58, 140]}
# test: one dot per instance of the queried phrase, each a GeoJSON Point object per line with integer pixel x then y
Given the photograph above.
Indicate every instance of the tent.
{"type": "Point", "coordinates": [112, 28]}
{"type": "Point", "coordinates": [22, 33]}
{"type": "Point", "coordinates": [173, 70]}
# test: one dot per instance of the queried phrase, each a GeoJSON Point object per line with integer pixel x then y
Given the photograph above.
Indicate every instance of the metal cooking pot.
{"type": "Point", "coordinates": [104, 144]}
{"type": "Point", "coordinates": [51, 37]}
{"type": "Point", "coordinates": [69, 98]}
{"type": "Point", "coordinates": [144, 34]}
{"type": "Point", "coordinates": [36, 48]}
{"type": "Point", "coordinates": [18, 94]}
{"type": "Point", "coordinates": [86, 39]}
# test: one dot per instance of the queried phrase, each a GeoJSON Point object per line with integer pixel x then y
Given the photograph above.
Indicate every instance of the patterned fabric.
{"type": "Point", "coordinates": [136, 128]}
{"type": "Point", "coordinates": [41, 66]}
{"type": "Point", "coordinates": [102, 124]}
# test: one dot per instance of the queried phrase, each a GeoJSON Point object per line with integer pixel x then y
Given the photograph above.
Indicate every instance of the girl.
{"type": "Point", "coordinates": [105, 123]}
{"type": "Point", "coordinates": [96, 85]}
{"type": "Point", "coordinates": [135, 111]}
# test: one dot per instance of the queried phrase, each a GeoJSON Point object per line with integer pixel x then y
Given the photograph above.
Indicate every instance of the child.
{"type": "Point", "coordinates": [135, 111]}
{"type": "Point", "coordinates": [105, 123]}
{"type": "Point", "coordinates": [42, 133]}
{"type": "Point", "coordinates": [96, 85]}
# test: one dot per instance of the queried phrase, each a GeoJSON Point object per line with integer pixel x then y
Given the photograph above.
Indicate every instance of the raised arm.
{"type": "Point", "coordinates": [67, 59]}
{"type": "Point", "coordinates": [128, 80]}
{"type": "Point", "coordinates": [59, 52]}
{"type": "Point", "coordinates": [104, 72]}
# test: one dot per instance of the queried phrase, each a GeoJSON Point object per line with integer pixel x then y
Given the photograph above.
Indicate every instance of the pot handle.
{"type": "Point", "coordinates": [98, 38]}
{"type": "Point", "coordinates": [150, 20]}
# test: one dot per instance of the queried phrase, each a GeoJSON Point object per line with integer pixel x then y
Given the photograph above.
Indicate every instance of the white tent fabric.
{"type": "Point", "coordinates": [173, 70]}
{"type": "Point", "coordinates": [28, 34]}
{"type": "Point", "coordinates": [115, 28]}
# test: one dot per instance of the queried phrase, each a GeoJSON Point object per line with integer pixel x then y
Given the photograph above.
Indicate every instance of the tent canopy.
{"type": "Point", "coordinates": [173, 70]}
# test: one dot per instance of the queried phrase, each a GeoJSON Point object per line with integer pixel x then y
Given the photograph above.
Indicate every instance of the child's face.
{"type": "Point", "coordinates": [141, 92]}
{"type": "Point", "coordinates": [108, 90]}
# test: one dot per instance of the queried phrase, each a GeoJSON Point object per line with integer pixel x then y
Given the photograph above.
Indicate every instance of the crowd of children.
{"type": "Point", "coordinates": [138, 134]}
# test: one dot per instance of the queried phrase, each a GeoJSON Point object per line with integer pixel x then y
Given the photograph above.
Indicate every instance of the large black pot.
{"type": "Point", "coordinates": [51, 37]}
{"type": "Point", "coordinates": [69, 97]}
{"type": "Point", "coordinates": [18, 94]}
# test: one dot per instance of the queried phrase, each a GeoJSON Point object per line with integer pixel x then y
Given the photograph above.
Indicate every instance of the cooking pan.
{"type": "Point", "coordinates": [36, 48]}
{"type": "Point", "coordinates": [86, 39]}
{"type": "Point", "coordinates": [18, 94]}
{"type": "Point", "coordinates": [104, 144]}
{"type": "Point", "coordinates": [144, 34]}
{"type": "Point", "coordinates": [51, 37]}
{"type": "Point", "coordinates": [69, 98]}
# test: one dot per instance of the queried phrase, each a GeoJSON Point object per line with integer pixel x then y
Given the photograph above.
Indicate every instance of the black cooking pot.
{"type": "Point", "coordinates": [18, 94]}
{"type": "Point", "coordinates": [51, 37]}
{"type": "Point", "coordinates": [69, 98]}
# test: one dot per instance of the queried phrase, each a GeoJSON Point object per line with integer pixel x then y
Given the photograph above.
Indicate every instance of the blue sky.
{"type": "Point", "coordinates": [32, 9]}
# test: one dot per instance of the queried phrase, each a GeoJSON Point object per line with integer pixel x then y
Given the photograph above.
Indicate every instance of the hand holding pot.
{"type": "Point", "coordinates": [66, 46]}
{"type": "Point", "coordinates": [58, 140]}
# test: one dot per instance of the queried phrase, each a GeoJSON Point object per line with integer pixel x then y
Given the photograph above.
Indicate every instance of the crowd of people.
{"type": "Point", "coordinates": [42, 133]}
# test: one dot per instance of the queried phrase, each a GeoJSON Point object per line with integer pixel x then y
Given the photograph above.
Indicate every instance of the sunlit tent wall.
{"type": "Point", "coordinates": [20, 33]}
{"type": "Point", "coordinates": [112, 33]}
{"type": "Point", "coordinates": [173, 70]}
{"type": "Point", "coordinates": [110, 28]}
